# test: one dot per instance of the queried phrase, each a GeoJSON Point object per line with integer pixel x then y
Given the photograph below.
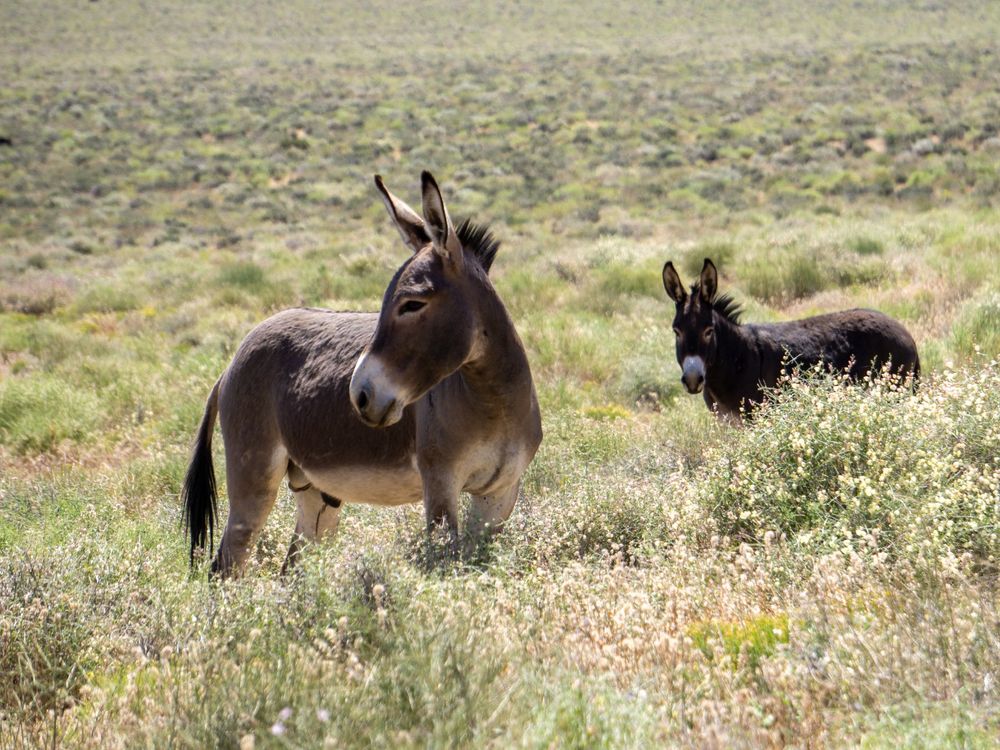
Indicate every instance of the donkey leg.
{"type": "Point", "coordinates": [253, 479]}
{"type": "Point", "coordinates": [441, 504]}
{"type": "Point", "coordinates": [317, 521]}
{"type": "Point", "coordinates": [487, 513]}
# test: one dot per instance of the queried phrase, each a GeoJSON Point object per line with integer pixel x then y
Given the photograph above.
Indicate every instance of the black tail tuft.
{"type": "Point", "coordinates": [199, 493]}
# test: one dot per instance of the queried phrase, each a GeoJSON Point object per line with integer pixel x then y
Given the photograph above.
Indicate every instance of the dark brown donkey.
{"type": "Point", "coordinates": [427, 399]}
{"type": "Point", "coordinates": [733, 363]}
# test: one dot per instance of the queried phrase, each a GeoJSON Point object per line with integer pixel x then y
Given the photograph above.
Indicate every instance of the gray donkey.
{"type": "Point", "coordinates": [429, 398]}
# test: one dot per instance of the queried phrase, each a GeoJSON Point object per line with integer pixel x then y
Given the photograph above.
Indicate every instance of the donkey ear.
{"type": "Point", "coordinates": [672, 283]}
{"type": "Point", "coordinates": [410, 225]}
{"type": "Point", "coordinates": [709, 280]}
{"type": "Point", "coordinates": [438, 223]}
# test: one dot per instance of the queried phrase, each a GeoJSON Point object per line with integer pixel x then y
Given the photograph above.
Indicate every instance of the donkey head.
{"type": "Point", "coordinates": [426, 329]}
{"type": "Point", "coordinates": [694, 323]}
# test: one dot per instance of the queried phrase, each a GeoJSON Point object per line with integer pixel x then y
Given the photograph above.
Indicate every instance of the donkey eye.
{"type": "Point", "coordinates": [677, 332]}
{"type": "Point", "coordinates": [708, 333]}
{"type": "Point", "coordinates": [411, 306]}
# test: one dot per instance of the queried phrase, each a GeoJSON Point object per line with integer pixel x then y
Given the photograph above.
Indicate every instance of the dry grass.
{"type": "Point", "coordinates": [825, 576]}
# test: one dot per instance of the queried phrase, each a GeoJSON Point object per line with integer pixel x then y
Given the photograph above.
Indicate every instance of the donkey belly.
{"type": "Point", "coordinates": [373, 485]}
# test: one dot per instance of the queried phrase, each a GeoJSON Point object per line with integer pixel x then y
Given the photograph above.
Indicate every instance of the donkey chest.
{"type": "Point", "coordinates": [493, 465]}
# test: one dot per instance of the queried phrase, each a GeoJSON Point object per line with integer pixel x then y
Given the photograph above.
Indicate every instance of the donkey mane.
{"type": "Point", "coordinates": [724, 304]}
{"type": "Point", "coordinates": [478, 240]}
{"type": "Point", "coordinates": [728, 308]}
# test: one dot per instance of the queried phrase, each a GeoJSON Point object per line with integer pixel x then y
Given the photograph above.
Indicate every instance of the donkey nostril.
{"type": "Point", "coordinates": [363, 399]}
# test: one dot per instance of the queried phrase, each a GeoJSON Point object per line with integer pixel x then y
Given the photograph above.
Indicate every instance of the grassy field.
{"type": "Point", "coordinates": [173, 172]}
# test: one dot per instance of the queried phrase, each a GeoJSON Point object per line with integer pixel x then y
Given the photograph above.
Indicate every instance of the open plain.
{"type": "Point", "coordinates": [171, 173]}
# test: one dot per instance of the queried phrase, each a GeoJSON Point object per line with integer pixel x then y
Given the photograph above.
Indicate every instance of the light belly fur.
{"type": "Point", "coordinates": [369, 485]}
{"type": "Point", "coordinates": [485, 468]}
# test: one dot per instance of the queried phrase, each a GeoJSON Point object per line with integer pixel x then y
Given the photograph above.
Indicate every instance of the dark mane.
{"type": "Point", "coordinates": [724, 304]}
{"type": "Point", "coordinates": [728, 308]}
{"type": "Point", "coordinates": [478, 240]}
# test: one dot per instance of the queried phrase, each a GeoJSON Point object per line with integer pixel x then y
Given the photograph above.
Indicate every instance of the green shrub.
{"type": "Point", "coordinates": [978, 327]}
{"type": "Point", "coordinates": [39, 412]}
{"type": "Point", "coordinates": [720, 253]}
{"type": "Point", "coordinates": [826, 463]}
{"type": "Point", "coordinates": [618, 280]}
{"type": "Point", "coordinates": [794, 274]}
{"type": "Point", "coordinates": [245, 275]}
{"type": "Point", "coordinates": [866, 246]}
{"type": "Point", "coordinates": [752, 639]}
{"type": "Point", "coordinates": [106, 298]}
{"type": "Point", "coordinates": [50, 341]}
{"type": "Point", "coordinates": [649, 380]}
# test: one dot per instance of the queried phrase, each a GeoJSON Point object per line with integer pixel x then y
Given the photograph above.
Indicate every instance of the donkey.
{"type": "Point", "coordinates": [429, 398]}
{"type": "Point", "coordinates": [732, 364]}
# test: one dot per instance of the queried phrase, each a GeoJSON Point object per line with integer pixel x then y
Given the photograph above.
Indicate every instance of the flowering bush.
{"type": "Point", "coordinates": [827, 462]}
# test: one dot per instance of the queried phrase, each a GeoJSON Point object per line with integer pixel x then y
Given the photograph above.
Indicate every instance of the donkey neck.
{"type": "Point", "coordinates": [733, 376]}
{"type": "Point", "coordinates": [497, 372]}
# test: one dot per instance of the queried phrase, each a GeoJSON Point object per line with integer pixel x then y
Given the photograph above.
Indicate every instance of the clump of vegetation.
{"type": "Point", "coordinates": [748, 641]}
{"type": "Point", "coordinates": [798, 274]}
{"type": "Point", "coordinates": [801, 268]}
{"type": "Point", "coordinates": [38, 413]}
{"type": "Point", "coordinates": [977, 329]}
{"type": "Point", "coordinates": [45, 652]}
{"type": "Point", "coordinates": [867, 246]}
{"type": "Point", "coordinates": [721, 254]}
{"type": "Point", "coordinates": [107, 298]}
{"type": "Point", "coordinates": [828, 463]}
{"type": "Point", "coordinates": [245, 275]}
{"type": "Point", "coordinates": [36, 294]}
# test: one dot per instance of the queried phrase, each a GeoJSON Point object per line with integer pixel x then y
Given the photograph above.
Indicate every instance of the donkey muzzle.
{"type": "Point", "coordinates": [374, 396]}
{"type": "Point", "coordinates": [693, 374]}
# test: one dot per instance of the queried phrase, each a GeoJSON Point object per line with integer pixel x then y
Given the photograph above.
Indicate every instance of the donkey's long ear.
{"type": "Point", "coordinates": [709, 281]}
{"type": "Point", "coordinates": [438, 223]}
{"type": "Point", "coordinates": [410, 225]}
{"type": "Point", "coordinates": [672, 283]}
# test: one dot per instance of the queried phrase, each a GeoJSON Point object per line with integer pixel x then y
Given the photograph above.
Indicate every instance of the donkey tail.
{"type": "Point", "coordinates": [199, 494]}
